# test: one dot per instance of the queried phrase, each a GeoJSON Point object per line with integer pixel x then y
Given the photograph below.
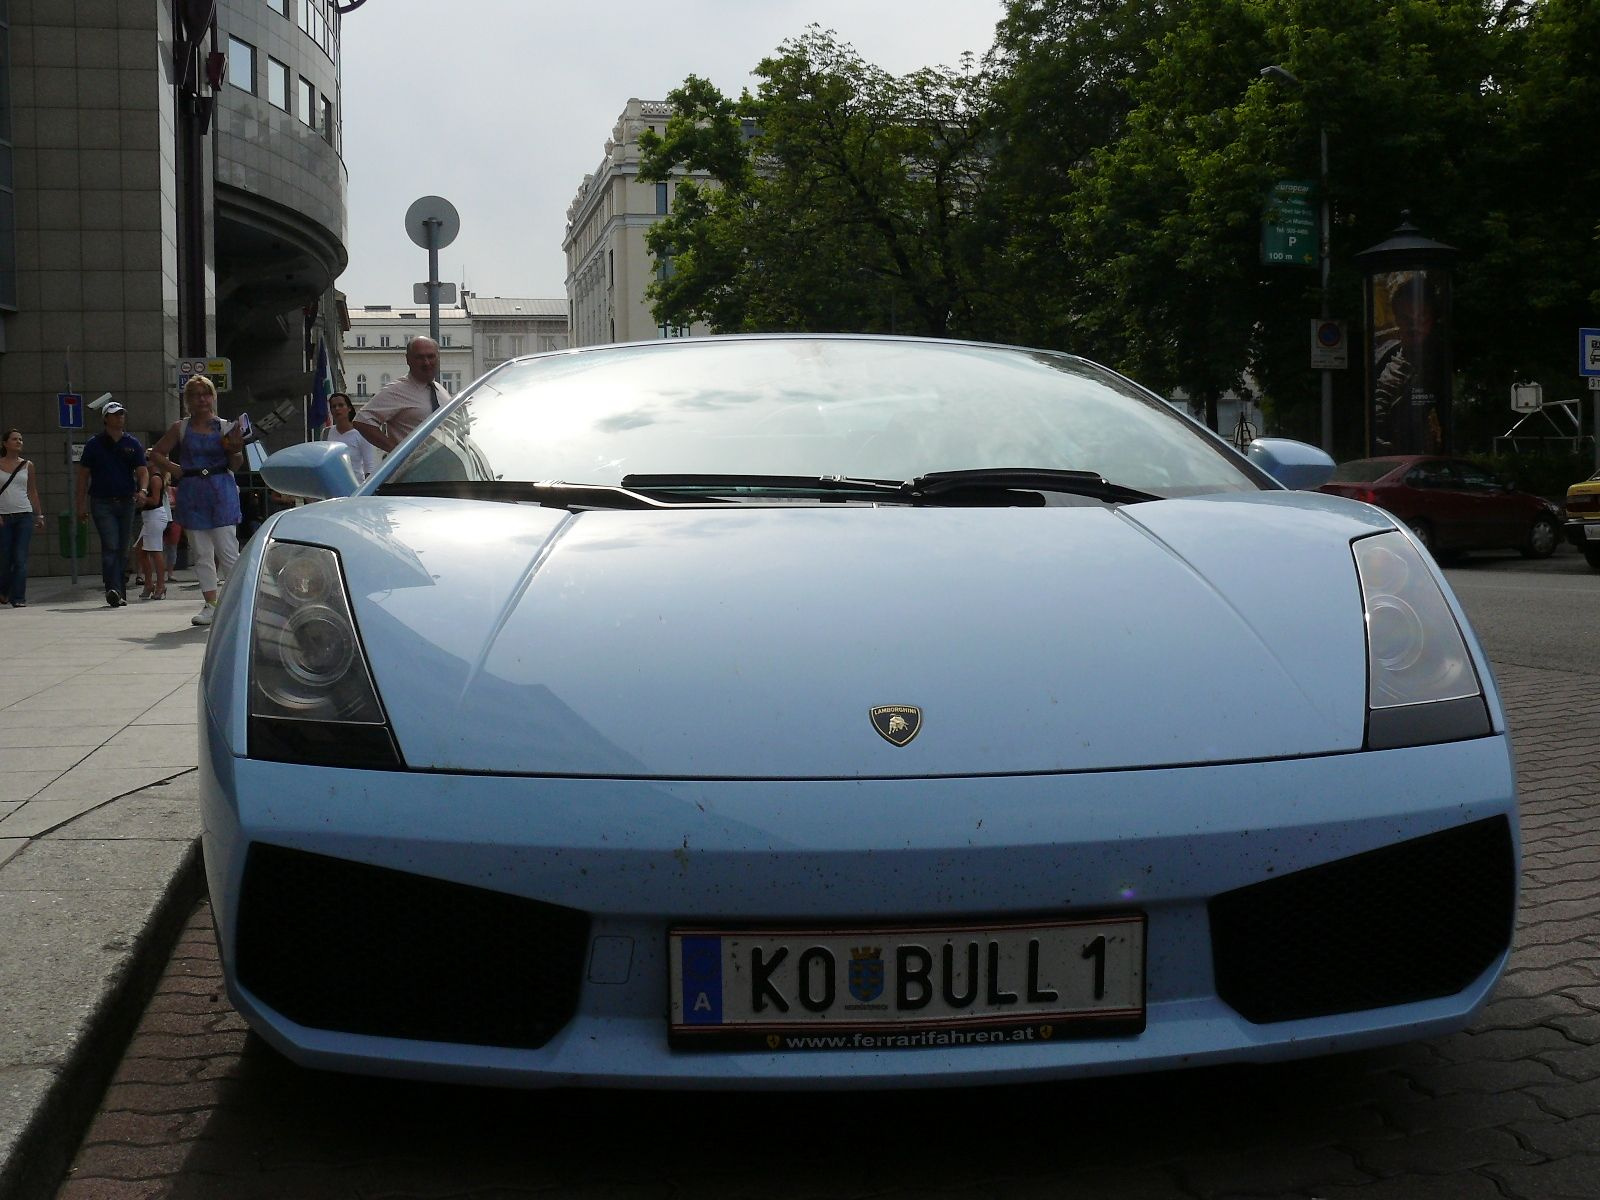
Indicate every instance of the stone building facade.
{"type": "Point", "coordinates": [608, 266]}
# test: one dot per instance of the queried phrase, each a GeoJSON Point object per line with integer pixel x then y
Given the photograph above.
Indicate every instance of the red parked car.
{"type": "Point", "coordinates": [1451, 504]}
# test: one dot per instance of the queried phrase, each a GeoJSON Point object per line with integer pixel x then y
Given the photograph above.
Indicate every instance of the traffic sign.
{"type": "Point", "coordinates": [447, 293]}
{"type": "Point", "coordinates": [218, 370]}
{"type": "Point", "coordinates": [1330, 349]}
{"type": "Point", "coordinates": [1289, 225]}
{"type": "Point", "coordinates": [1527, 397]}
{"type": "Point", "coordinates": [69, 407]}
{"type": "Point", "coordinates": [1589, 352]}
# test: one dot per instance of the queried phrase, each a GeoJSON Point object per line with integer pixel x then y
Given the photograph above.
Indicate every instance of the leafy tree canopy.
{"type": "Point", "coordinates": [1097, 184]}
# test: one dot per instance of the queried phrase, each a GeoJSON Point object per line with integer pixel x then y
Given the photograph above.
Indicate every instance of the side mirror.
{"type": "Point", "coordinates": [313, 470]}
{"type": "Point", "coordinates": [1293, 464]}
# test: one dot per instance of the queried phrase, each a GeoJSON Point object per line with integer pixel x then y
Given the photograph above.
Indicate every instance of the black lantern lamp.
{"type": "Point", "coordinates": [1406, 308]}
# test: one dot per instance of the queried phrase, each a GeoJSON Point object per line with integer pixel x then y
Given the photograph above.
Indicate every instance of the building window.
{"type": "Point", "coordinates": [277, 84]}
{"type": "Point", "coordinates": [281, 7]}
{"type": "Point", "coordinates": [492, 348]}
{"type": "Point", "coordinates": [361, 385]}
{"type": "Point", "coordinates": [327, 119]}
{"type": "Point", "coordinates": [452, 381]}
{"type": "Point", "coordinates": [516, 346]}
{"type": "Point", "coordinates": [444, 339]}
{"type": "Point", "coordinates": [241, 65]}
{"type": "Point", "coordinates": [661, 199]}
{"type": "Point", "coordinates": [385, 381]}
{"type": "Point", "coordinates": [308, 103]}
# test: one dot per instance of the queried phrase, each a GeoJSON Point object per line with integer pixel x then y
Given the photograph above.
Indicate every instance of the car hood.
{"type": "Point", "coordinates": [753, 642]}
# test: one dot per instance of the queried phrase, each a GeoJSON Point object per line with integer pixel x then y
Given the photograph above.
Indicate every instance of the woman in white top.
{"type": "Point", "coordinates": [21, 515]}
{"type": "Point", "coordinates": [363, 455]}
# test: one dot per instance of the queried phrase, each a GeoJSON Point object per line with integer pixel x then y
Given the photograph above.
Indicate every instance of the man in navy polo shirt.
{"type": "Point", "coordinates": [113, 473]}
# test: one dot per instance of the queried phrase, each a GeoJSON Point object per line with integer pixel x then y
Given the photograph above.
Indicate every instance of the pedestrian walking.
{"type": "Point", "coordinates": [363, 456]}
{"type": "Point", "coordinates": [399, 407]}
{"type": "Point", "coordinates": [112, 472]}
{"type": "Point", "coordinates": [152, 549]}
{"type": "Point", "coordinates": [20, 515]}
{"type": "Point", "coordinates": [202, 458]}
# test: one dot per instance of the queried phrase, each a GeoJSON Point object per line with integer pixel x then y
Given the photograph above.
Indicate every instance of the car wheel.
{"type": "Point", "coordinates": [1423, 533]}
{"type": "Point", "coordinates": [1542, 539]}
{"type": "Point", "coordinates": [1591, 555]}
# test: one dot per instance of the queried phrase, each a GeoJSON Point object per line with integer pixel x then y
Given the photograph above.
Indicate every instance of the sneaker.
{"type": "Point", "coordinates": [113, 597]}
{"type": "Point", "coordinates": [19, 604]}
{"type": "Point", "coordinates": [204, 616]}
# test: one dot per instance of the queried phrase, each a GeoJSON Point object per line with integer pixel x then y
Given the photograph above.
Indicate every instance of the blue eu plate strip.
{"type": "Point", "coordinates": [702, 980]}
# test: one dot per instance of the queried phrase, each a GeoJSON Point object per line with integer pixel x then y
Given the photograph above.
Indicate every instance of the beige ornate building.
{"type": "Point", "coordinates": [608, 267]}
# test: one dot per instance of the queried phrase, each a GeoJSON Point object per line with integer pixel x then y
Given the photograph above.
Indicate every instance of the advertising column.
{"type": "Point", "coordinates": [1407, 310]}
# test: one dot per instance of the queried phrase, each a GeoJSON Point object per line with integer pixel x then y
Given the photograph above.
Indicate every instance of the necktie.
{"type": "Point", "coordinates": [433, 394]}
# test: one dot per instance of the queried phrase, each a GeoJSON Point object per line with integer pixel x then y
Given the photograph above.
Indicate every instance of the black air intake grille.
{"type": "Point", "coordinates": [362, 949]}
{"type": "Point", "coordinates": [1412, 921]}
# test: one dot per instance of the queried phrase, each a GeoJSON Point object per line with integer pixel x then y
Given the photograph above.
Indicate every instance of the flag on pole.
{"type": "Point", "coordinates": [321, 389]}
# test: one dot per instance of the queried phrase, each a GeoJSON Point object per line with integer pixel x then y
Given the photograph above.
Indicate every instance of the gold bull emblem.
{"type": "Point", "coordinates": [897, 724]}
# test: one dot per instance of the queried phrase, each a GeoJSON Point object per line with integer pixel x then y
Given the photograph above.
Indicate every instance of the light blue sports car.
{"type": "Point", "coordinates": [836, 711]}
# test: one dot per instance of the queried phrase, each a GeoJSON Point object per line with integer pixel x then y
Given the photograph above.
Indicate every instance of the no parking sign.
{"type": "Point", "coordinates": [1329, 346]}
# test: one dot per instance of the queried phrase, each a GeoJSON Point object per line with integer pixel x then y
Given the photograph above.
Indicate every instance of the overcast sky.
{"type": "Point", "coordinates": [502, 107]}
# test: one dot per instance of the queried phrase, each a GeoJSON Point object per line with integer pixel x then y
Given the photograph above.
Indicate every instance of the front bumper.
{"type": "Point", "coordinates": [1584, 533]}
{"type": "Point", "coordinates": [633, 857]}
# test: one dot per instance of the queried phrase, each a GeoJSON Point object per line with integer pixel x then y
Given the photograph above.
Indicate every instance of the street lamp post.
{"type": "Point", "coordinates": [1277, 72]}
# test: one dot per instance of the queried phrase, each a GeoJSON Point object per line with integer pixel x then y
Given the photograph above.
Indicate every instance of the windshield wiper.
{"type": "Point", "coordinates": [763, 483]}
{"type": "Point", "coordinates": [551, 493]}
{"type": "Point", "coordinates": [1043, 479]}
{"type": "Point", "coordinates": [992, 484]}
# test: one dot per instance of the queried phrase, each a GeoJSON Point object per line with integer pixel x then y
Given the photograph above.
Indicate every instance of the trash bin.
{"type": "Point", "coordinates": [64, 524]}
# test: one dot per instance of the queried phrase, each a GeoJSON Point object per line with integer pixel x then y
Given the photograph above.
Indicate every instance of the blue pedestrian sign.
{"type": "Point", "coordinates": [1589, 352]}
{"type": "Point", "coordinates": [71, 410]}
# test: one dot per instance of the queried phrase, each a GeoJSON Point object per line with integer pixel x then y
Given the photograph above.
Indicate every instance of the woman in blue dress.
{"type": "Point", "coordinates": [208, 496]}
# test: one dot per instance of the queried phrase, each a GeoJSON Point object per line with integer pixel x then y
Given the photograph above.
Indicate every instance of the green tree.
{"type": "Point", "coordinates": [836, 197]}
{"type": "Point", "coordinates": [1164, 222]}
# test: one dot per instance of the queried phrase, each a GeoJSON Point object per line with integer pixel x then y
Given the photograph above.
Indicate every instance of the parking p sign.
{"type": "Point", "coordinates": [1589, 352]}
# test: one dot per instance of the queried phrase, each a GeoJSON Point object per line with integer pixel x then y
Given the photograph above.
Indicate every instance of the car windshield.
{"type": "Point", "coordinates": [1362, 470]}
{"type": "Point", "coordinates": [754, 408]}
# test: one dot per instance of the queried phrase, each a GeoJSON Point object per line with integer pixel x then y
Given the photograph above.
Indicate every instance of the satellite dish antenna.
{"type": "Point", "coordinates": [438, 212]}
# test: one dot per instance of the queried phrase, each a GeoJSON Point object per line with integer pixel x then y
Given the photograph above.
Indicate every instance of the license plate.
{"type": "Point", "coordinates": [905, 987]}
{"type": "Point", "coordinates": [1592, 531]}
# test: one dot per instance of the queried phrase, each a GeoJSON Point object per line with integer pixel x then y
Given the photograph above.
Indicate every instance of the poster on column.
{"type": "Point", "coordinates": [1410, 379]}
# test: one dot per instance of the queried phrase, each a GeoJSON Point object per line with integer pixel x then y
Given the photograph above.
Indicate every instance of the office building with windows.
{"type": "Point", "coordinates": [608, 266]}
{"type": "Point", "coordinates": [164, 186]}
{"type": "Point", "coordinates": [510, 326]}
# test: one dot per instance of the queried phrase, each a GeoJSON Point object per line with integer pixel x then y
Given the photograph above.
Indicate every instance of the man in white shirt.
{"type": "Point", "coordinates": [363, 457]}
{"type": "Point", "coordinates": [389, 417]}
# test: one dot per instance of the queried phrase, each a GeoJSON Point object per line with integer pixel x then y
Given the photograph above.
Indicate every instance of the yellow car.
{"type": "Point", "coordinates": [1583, 518]}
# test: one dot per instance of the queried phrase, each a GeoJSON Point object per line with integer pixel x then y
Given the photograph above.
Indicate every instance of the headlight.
{"type": "Point", "coordinates": [1421, 684]}
{"type": "Point", "coordinates": [312, 698]}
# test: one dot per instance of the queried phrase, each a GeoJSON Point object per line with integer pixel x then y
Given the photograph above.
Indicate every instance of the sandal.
{"type": "Point", "coordinates": [159, 594]}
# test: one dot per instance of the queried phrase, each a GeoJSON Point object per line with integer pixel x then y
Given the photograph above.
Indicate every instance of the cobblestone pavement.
{"type": "Point", "coordinates": [1510, 1109]}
